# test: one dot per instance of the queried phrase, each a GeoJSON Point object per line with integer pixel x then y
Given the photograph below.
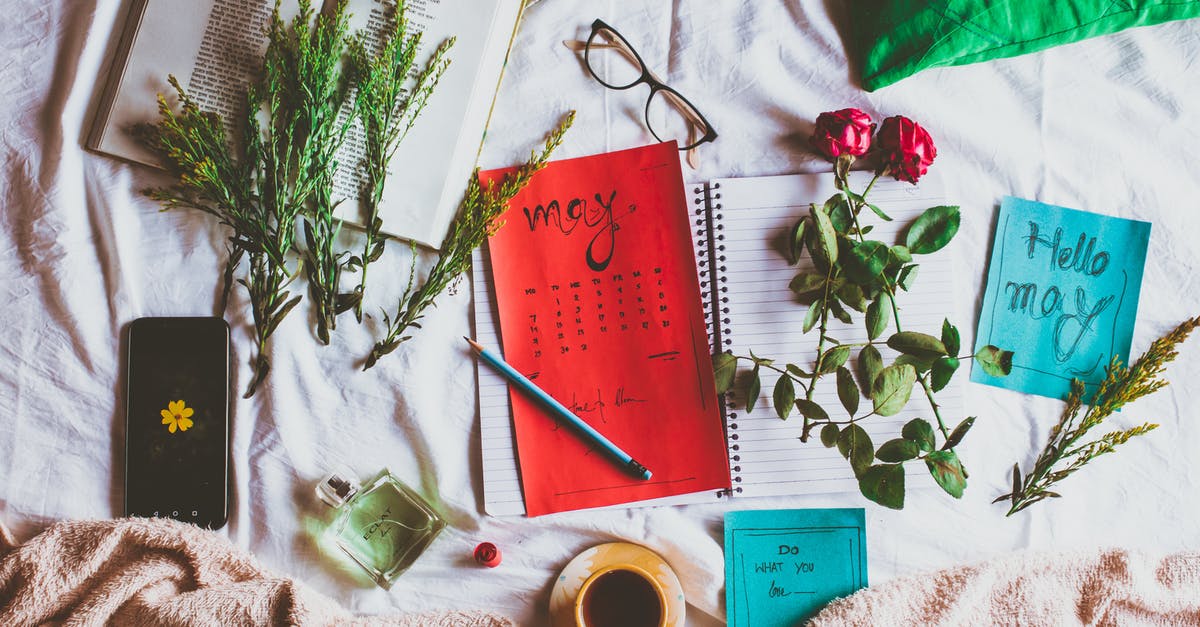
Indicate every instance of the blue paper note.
{"type": "Point", "coordinates": [783, 566]}
{"type": "Point", "coordinates": [1062, 294]}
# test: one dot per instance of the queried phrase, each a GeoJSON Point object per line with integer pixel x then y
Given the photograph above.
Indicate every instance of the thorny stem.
{"type": "Point", "coordinates": [856, 208]}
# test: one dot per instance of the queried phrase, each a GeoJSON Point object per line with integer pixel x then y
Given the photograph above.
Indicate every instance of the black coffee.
{"type": "Point", "coordinates": [622, 598]}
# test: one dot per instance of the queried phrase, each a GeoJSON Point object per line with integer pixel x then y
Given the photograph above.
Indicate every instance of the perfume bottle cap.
{"type": "Point", "coordinates": [337, 487]}
{"type": "Point", "coordinates": [487, 554]}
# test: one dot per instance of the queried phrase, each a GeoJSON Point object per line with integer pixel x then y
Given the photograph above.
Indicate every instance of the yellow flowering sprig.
{"type": "Point", "coordinates": [1064, 454]}
{"type": "Point", "coordinates": [476, 221]}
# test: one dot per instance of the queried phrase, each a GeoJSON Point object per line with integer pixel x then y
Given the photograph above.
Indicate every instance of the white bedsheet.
{"type": "Point", "coordinates": [1108, 125]}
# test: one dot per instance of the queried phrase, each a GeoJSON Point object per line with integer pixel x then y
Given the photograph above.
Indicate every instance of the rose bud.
{"type": "Point", "coordinates": [844, 132]}
{"type": "Point", "coordinates": [905, 150]}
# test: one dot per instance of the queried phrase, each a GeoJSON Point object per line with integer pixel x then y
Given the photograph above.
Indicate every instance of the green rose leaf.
{"type": "Point", "coordinates": [870, 364]}
{"type": "Point", "coordinates": [784, 396]}
{"type": "Point", "coordinates": [931, 231]}
{"type": "Point", "coordinates": [811, 410]}
{"type": "Point", "coordinates": [855, 445]}
{"type": "Point", "coordinates": [865, 262]}
{"type": "Point", "coordinates": [919, 345]}
{"type": "Point", "coordinates": [950, 338]}
{"type": "Point", "coordinates": [838, 311]}
{"type": "Point", "coordinates": [883, 484]}
{"type": "Point", "coordinates": [796, 242]}
{"type": "Point", "coordinates": [879, 212]}
{"type": "Point", "coordinates": [898, 256]}
{"type": "Point", "coordinates": [760, 360]}
{"type": "Point", "coordinates": [814, 314]}
{"type": "Point", "coordinates": [839, 214]}
{"type": "Point", "coordinates": [829, 435]}
{"type": "Point", "coordinates": [958, 433]}
{"type": "Point", "coordinates": [798, 371]}
{"type": "Point", "coordinates": [834, 358]}
{"type": "Point", "coordinates": [847, 391]}
{"type": "Point", "coordinates": [724, 369]}
{"type": "Point", "coordinates": [920, 432]}
{"type": "Point", "coordinates": [941, 371]}
{"type": "Point", "coordinates": [898, 450]}
{"type": "Point", "coordinates": [753, 390]}
{"type": "Point", "coordinates": [877, 315]}
{"type": "Point", "coordinates": [827, 244]}
{"type": "Point", "coordinates": [891, 389]}
{"type": "Point", "coordinates": [807, 283]}
{"type": "Point", "coordinates": [994, 361]}
{"type": "Point", "coordinates": [947, 471]}
{"type": "Point", "coordinates": [908, 274]}
{"type": "Point", "coordinates": [920, 365]}
{"type": "Point", "coordinates": [852, 295]}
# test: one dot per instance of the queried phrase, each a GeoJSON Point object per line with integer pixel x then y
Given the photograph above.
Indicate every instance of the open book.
{"type": "Point", "coordinates": [214, 47]}
{"type": "Point", "coordinates": [739, 226]}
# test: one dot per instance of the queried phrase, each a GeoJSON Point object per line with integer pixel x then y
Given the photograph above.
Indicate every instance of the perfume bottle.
{"type": "Point", "coordinates": [384, 525]}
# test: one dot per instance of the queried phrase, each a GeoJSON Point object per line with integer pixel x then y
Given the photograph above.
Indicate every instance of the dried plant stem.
{"type": "Point", "coordinates": [477, 220]}
{"type": "Point", "coordinates": [1064, 453]}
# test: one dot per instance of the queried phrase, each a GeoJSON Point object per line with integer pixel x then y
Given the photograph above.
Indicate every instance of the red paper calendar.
{"type": "Point", "coordinates": [599, 303]}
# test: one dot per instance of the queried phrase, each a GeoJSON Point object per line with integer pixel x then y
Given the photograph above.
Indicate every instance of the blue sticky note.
{"type": "Point", "coordinates": [1062, 294]}
{"type": "Point", "coordinates": [783, 566]}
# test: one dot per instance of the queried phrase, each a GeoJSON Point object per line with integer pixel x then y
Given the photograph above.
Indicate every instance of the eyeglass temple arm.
{"type": "Point", "coordinates": [575, 45]}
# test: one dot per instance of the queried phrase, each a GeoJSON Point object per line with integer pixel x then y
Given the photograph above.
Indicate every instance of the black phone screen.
{"type": "Point", "coordinates": [177, 420]}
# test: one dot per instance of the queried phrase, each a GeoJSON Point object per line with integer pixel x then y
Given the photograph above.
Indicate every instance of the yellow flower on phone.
{"type": "Point", "coordinates": [177, 416]}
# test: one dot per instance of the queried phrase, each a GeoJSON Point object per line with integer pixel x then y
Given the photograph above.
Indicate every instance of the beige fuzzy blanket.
{"type": "Point", "coordinates": [163, 572]}
{"type": "Point", "coordinates": [1113, 587]}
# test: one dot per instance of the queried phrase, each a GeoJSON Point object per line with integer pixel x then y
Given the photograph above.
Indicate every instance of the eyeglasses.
{"type": "Point", "coordinates": [669, 116]}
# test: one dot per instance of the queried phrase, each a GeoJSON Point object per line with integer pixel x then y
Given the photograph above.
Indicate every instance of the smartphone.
{"type": "Point", "coordinates": [177, 420]}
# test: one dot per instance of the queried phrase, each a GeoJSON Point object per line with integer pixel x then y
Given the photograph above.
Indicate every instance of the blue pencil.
{"type": "Point", "coordinates": [557, 408]}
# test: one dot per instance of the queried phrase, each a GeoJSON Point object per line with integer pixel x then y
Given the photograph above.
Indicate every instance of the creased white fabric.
{"type": "Point", "coordinates": [1106, 125]}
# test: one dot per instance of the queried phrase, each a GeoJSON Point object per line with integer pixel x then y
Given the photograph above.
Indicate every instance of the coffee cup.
{"type": "Point", "coordinates": [621, 595]}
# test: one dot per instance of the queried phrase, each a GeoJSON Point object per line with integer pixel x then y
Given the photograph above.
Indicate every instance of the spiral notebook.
{"type": "Point", "coordinates": [741, 227]}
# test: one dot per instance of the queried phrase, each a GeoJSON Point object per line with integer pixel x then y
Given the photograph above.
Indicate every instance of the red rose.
{"type": "Point", "coordinates": [844, 132]}
{"type": "Point", "coordinates": [905, 150]}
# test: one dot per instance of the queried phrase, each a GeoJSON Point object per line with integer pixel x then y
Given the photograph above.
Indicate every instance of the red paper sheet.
{"type": "Point", "coordinates": [599, 303]}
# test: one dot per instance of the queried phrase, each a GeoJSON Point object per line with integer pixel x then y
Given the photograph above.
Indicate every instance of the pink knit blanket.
{"type": "Point", "coordinates": [1113, 587]}
{"type": "Point", "coordinates": [162, 572]}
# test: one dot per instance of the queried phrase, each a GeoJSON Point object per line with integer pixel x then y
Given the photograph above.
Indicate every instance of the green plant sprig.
{"type": "Point", "coordinates": [476, 221]}
{"type": "Point", "coordinates": [1064, 453]}
{"type": "Point", "coordinates": [387, 111]}
{"type": "Point", "coordinates": [853, 272]}
{"type": "Point", "coordinates": [311, 55]}
{"type": "Point", "coordinates": [276, 165]}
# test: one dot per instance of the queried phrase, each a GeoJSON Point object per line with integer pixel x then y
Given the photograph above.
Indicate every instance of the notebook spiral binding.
{"type": "Point", "coordinates": [710, 249]}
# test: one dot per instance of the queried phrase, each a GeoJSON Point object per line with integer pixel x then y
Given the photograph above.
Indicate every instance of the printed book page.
{"type": "Point", "coordinates": [215, 62]}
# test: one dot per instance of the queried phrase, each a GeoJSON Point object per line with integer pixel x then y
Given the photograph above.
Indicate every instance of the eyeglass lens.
{"type": "Point", "coordinates": [612, 61]}
{"type": "Point", "coordinates": [670, 117]}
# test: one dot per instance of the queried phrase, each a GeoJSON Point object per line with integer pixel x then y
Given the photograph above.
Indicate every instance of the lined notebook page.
{"type": "Point", "coordinates": [501, 473]}
{"type": "Point", "coordinates": [755, 216]}
{"type": "Point", "coordinates": [501, 476]}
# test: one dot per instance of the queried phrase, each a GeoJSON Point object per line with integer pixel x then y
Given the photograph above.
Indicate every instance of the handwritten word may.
{"type": "Point", "coordinates": [592, 215]}
{"type": "Point", "coordinates": [1072, 318]}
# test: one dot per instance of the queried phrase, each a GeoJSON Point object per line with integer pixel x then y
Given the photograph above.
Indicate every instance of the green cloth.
{"type": "Point", "coordinates": [895, 39]}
